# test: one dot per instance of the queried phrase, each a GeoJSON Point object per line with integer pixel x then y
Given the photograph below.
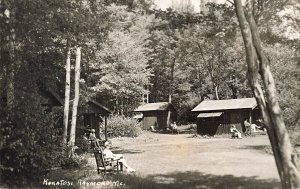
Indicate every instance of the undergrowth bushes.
{"type": "Point", "coordinates": [77, 161]}
{"type": "Point", "coordinates": [121, 126]}
{"type": "Point", "coordinates": [30, 145]}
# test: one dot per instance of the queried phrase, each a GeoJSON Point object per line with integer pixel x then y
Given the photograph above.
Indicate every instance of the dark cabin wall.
{"type": "Point", "coordinates": [222, 124]}
{"type": "Point", "coordinates": [162, 120]}
{"type": "Point", "coordinates": [149, 119]}
{"type": "Point", "coordinates": [86, 121]}
{"type": "Point", "coordinates": [157, 119]}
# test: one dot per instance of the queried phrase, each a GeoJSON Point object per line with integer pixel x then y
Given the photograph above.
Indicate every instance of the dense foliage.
{"type": "Point", "coordinates": [128, 50]}
{"type": "Point", "coordinates": [121, 126]}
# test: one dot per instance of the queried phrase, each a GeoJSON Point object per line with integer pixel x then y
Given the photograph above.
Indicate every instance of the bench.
{"type": "Point", "coordinates": [106, 165]}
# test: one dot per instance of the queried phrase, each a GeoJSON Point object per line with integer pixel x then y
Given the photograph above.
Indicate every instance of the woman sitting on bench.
{"type": "Point", "coordinates": [108, 154]}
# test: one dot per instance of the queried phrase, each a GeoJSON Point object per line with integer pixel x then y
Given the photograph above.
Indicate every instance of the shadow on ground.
{"type": "Point", "coordinates": [257, 147]}
{"type": "Point", "coordinates": [175, 180]}
{"type": "Point", "coordinates": [122, 151]}
{"type": "Point", "coordinates": [117, 150]}
{"type": "Point", "coordinates": [262, 148]}
{"type": "Point", "coordinates": [194, 180]}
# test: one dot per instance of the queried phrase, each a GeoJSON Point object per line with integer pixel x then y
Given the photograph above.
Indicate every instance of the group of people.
{"type": "Point", "coordinates": [172, 127]}
{"type": "Point", "coordinates": [249, 128]}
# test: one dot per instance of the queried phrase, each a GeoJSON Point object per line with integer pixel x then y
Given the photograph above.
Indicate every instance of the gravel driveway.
{"type": "Point", "coordinates": [152, 154]}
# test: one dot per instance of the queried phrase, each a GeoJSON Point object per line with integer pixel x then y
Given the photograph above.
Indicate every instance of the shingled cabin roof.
{"type": "Point", "coordinates": [49, 97]}
{"type": "Point", "coordinates": [232, 104]}
{"type": "Point", "coordinates": [92, 106]}
{"type": "Point", "coordinates": [159, 106]}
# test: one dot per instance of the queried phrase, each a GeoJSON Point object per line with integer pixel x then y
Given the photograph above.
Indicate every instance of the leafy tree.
{"type": "Point", "coordinates": [259, 73]}
{"type": "Point", "coordinates": [286, 73]}
{"type": "Point", "coordinates": [205, 54]}
{"type": "Point", "coordinates": [121, 69]}
{"type": "Point", "coordinates": [41, 29]}
{"type": "Point", "coordinates": [133, 5]}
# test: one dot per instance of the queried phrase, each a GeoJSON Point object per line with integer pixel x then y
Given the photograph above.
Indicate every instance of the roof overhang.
{"type": "Point", "coordinates": [101, 106]}
{"type": "Point", "coordinates": [158, 106]}
{"type": "Point", "coordinates": [224, 105]}
{"type": "Point", "coordinates": [213, 114]}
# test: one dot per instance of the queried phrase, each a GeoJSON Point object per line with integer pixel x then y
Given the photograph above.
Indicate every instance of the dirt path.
{"type": "Point", "coordinates": [152, 154]}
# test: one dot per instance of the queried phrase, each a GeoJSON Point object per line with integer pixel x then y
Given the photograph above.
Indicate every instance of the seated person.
{"type": "Point", "coordinates": [109, 154]}
{"type": "Point", "coordinates": [92, 135]}
{"type": "Point", "coordinates": [174, 127]}
{"type": "Point", "coordinates": [84, 142]}
{"type": "Point", "coordinates": [152, 128]}
{"type": "Point", "coordinates": [235, 132]}
{"type": "Point", "coordinates": [255, 128]}
{"type": "Point", "coordinates": [260, 125]}
{"type": "Point", "coordinates": [95, 142]}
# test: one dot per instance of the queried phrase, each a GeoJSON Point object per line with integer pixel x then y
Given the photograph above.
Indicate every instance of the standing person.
{"type": "Point", "coordinates": [247, 127]}
{"type": "Point", "coordinates": [101, 131]}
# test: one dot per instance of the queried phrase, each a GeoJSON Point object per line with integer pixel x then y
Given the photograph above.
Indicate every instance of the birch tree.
{"type": "Point", "coordinates": [9, 49]}
{"type": "Point", "coordinates": [263, 87]}
{"type": "Point", "coordinates": [76, 97]}
{"type": "Point", "coordinates": [67, 94]}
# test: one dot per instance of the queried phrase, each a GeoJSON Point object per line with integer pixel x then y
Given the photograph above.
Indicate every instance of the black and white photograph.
{"type": "Point", "coordinates": [150, 94]}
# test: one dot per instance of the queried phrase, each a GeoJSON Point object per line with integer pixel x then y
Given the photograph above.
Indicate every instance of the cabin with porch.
{"type": "Point", "coordinates": [92, 115]}
{"type": "Point", "coordinates": [215, 117]}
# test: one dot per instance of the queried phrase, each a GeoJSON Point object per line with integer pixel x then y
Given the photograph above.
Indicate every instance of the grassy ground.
{"type": "Point", "coordinates": [183, 161]}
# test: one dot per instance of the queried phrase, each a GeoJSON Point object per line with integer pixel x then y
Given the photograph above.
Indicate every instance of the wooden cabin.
{"type": "Point", "coordinates": [50, 99]}
{"type": "Point", "coordinates": [92, 115]}
{"type": "Point", "coordinates": [216, 116]}
{"type": "Point", "coordinates": [156, 114]}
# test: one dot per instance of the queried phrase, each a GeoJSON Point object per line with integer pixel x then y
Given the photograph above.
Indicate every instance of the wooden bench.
{"type": "Point", "coordinates": [106, 165]}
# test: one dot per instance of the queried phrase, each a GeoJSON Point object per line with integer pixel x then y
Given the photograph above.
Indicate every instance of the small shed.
{"type": "Point", "coordinates": [157, 115]}
{"type": "Point", "coordinates": [217, 116]}
{"type": "Point", "coordinates": [92, 115]}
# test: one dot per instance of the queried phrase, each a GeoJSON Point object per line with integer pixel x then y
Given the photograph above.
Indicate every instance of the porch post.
{"type": "Point", "coordinates": [105, 126]}
{"type": "Point", "coordinates": [250, 121]}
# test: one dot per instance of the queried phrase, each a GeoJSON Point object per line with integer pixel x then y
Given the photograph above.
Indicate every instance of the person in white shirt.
{"type": "Point", "coordinates": [92, 135]}
{"type": "Point", "coordinates": [174, 127]}
{"type": "Point", "coordinates": [109, 154]}
{"type": "Point", "coordinates": [235, 132]}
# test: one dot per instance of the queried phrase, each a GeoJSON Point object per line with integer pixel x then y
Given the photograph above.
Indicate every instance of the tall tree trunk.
{"type": "Point", "coordinates": [171, 80]}
{"type": "Point", "coordinates": [67, 94]}
{"type": "Point", "coordinates": [117, 109]}
{"type": "Point", "coordinates": [10, 72]}
{"type": "Point", "coordinates": [217, 91]}
{"type": "Point", "coordinates": [171, 90]}
{"type": "Point", "coordinates": [122, 106]}
{"type": "Point", "coordinates": [3, 50]}
{"type": "Point", "coordinates": [147, 94]}
{"type": "Point", "coordinates": [76, 97]}
{"type": "Point", "coordinates": [259, 67]}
